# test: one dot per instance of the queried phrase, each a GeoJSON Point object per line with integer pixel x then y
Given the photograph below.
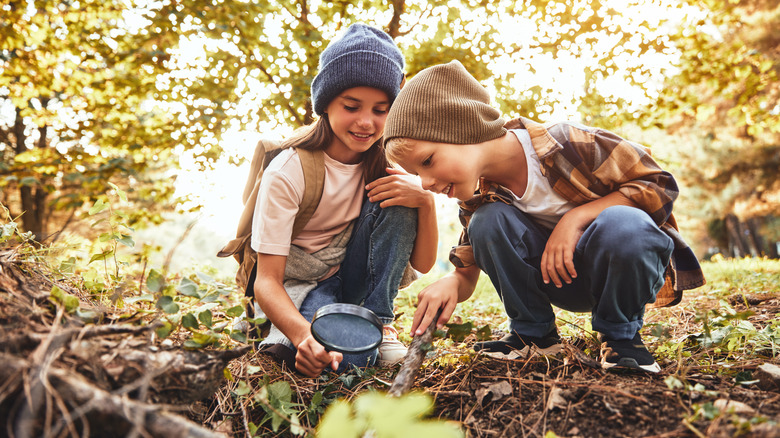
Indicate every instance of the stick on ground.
{"type": "Point", "coordinates": [414, 358]}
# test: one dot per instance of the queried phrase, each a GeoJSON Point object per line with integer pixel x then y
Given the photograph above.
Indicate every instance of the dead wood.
{"type": "Point", "coordinates": [420, 346]}
{"type": "Point", "coordinates": [81, 402]}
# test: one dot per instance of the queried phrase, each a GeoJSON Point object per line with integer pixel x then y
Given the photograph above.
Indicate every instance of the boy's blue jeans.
{"type": "Point", "coordinates": [620, 262]}
{"type": "Point", "coordinates": [371, 272]}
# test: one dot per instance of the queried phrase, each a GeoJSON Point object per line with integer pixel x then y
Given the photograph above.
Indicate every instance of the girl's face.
{"type": "Point", "coordinates": [450, 169]}
{"type": "Point", "coordinates": [357, 118]}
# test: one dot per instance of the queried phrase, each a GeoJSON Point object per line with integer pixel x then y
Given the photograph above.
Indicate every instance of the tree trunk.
{"type": "Point", "coordinates": [33, 198]}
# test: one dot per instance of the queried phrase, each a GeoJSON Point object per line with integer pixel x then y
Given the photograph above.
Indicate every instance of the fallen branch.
{"type": "Point", "coordinates": [112, 414]}
{"type": "Point", "coordinates": [414, 358]}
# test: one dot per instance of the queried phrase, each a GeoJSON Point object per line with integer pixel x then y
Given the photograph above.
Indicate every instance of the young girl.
{"type": "Point", "coordinates": [371, 220]}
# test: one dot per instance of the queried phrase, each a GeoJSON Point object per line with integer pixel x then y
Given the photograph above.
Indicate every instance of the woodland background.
{"type": "Point", "coordinates": [125, 130]}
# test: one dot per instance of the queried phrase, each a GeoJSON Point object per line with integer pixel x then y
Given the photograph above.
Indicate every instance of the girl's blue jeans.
{"type": "Point", "coordinates": [377, 254]}
{"type": "Point", "coordinates": [620, 262]}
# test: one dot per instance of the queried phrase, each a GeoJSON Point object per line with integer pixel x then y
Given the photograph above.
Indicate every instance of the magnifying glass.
{"type": "Point", "coordinates": [346, 328]}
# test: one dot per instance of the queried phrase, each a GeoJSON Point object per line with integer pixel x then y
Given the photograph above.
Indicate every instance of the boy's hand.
{"type": "Point", "coordinates": [398, 188]}
{"type": "Point", "coordinates": [434, 297]}
{"type": "Point", "coordinates": [558, 257]}
{"type": "Point", "coordinates": [312, 357]}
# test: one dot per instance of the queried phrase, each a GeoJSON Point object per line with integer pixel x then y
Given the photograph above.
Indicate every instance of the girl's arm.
{"type": "Point", "coordinates": [401, 188]}
{"type": "Point", "coordinates": [311, 357]}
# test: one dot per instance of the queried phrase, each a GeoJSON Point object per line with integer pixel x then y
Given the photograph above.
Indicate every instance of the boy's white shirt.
{"type": "Point", "coordinates": [539, 201]}
{"type": "Point", "coordinates": [281, 193]}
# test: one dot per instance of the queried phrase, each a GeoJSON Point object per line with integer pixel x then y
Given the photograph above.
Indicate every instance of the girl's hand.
{"type": "Point", "coordinates": [312, 358]}
{"type": "Point", "coordinates": [558, 257]}
{"type": "Point", "coordinates": [398, 188]}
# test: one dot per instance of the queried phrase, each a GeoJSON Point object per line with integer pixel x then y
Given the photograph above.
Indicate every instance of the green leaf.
{"type": "Point", "coordinates": [189, 321]}
{"type": "Point", "coordinates": [97, 207]}
{"type": "Point", "coordinates": [68, 301]}
{"type": "Point", "coordinates": [120, 192]}
{"type": "Point", "coordinates": [126, 240]}
{"type": "Point", "coordinates": [166, 304]}
{"type": "Point", "coordinates": [239, 336]}
{"type": "Point", "coordinates": [243, 388]}
{"type": "Point", "coordinates": [164, 330]}
{"type": "Point", "coordinates": [102, 256]}
{"type": "Point", "coordinates": [68, 266]}
{"type": "Point", "coordinates": [235, 311]}
{"type": "Point", "coordinates": [135, 299]}
{"type": "Point", "coordinates": [206, 318]}
{"type": "Point", "coordinates": [155, 281]}
{"type": "Point", "coordinates": [458, 332]}
{"type": "Point", "coordinates": [188, 288]}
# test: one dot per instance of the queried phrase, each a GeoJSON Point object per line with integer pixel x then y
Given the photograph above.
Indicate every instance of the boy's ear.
{"type": "Point", "coordinates": [403, 82]}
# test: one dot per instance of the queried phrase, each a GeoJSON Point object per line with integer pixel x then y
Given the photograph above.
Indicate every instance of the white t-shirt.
{"type": "Point", "coordinates": [539, 201]}
{"type": "Point", "coordinates": [280, 196]}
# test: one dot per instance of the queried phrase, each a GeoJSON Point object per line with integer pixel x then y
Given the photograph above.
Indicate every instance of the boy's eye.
{"type": "Point", "coordinates": [427, 162]}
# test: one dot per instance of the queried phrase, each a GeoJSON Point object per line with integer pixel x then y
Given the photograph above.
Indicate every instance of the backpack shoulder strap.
{"type": "Point", "coordinates": [313, 164]}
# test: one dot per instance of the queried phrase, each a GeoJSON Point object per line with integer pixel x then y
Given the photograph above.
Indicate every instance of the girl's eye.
{"type": "Point", "coordinates": [380, 111]}
{"type": "Point", "coordinates": [351, 108]}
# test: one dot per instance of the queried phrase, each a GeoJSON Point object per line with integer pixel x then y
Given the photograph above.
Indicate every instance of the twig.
{"type": "Point", "coordinates": [413, 360]}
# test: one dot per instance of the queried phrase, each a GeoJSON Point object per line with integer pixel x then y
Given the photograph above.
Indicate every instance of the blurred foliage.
{"type": "Point", "coordinates": [121, 90]}
{"type": "Point", "coordinates": [723, 99]}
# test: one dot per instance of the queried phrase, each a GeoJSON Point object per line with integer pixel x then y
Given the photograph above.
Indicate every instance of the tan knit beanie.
{"type": "Point", "coordinates": [444, 104]}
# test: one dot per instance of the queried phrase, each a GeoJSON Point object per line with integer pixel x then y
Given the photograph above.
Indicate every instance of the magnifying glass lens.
{"type": "Point", "coordinates": [347, 328]}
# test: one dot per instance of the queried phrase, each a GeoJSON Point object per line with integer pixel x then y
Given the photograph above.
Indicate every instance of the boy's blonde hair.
{"type": "Point", "coordinates": [397, 147]}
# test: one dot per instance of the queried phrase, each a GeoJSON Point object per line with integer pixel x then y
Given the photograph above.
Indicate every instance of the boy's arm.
{"type": "Point", "coordinates": [444, 294]}
{"type": "Point", "coordinates": [558, 257]}
{"type": "Point", "coordinates": [271, 296]}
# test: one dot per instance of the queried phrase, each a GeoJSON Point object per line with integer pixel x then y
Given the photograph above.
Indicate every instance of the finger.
{"type": "Point", "coordinates": [446, 314]}
{"type": "Point", "coordinates": [427, 319]}
{"type": "Point", "coordinates": [394, 171]}
{"type": "Point", "coordinates": [335, 360]}
{"type": "Point", "coordinates": [552, 272]}
{"type": "Point", "coordinates": [570, 264]}
{"type": "Point", "coordinates": [418, 316]}
{"type": "Point", "coordinates": [560, 268]}
{"type": "Point", "coordinates": [543, 267]}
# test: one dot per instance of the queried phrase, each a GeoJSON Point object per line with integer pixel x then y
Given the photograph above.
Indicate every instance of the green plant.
{"type": "Point", "coordinates": [378, 415]}
{"type": "Point", "coordinates": [117, 232]}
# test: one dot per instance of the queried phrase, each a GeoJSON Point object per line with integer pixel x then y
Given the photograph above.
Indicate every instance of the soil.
{"type": "Point", "coordinates": [49, 356]}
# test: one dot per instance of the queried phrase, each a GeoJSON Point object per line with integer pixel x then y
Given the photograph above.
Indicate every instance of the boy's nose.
{"type": "Point", "coordinates": [427, 182]}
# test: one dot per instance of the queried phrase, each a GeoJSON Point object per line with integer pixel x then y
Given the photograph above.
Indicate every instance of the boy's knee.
{"type": "Point", "coordinates": [627, 230]}
{"type": "Point", "coordinates": [489, 222]}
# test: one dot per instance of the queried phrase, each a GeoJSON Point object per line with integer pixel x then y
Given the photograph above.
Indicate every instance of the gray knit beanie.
{"type": "Point", "coordinates": [362, 57]}
{"type": "Point", "coordinates": [444, 104]}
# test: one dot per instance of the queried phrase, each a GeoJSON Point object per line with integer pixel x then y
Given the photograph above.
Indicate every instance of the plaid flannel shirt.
{"type": "Point", "coordinates": [583, 164]}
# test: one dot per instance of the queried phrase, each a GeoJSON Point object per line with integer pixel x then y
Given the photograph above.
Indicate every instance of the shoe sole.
{"type": "Point", "coordinates": [629, 364]}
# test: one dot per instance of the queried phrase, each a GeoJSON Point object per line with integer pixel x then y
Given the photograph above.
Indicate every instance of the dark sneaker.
{"type": "Point", "coordinates": [520, 345]}
{"type": "Point", "coordinates": [627, 354]}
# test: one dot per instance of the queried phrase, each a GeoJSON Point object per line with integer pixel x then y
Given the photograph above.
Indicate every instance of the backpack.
{"type": "Point", "coordinates": [240, 248]}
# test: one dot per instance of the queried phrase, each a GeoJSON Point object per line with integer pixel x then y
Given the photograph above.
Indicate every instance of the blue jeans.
{"type": "Point", "coordinates": [377, 254]}
{"type": "Point", "coordinates": [620, 262]}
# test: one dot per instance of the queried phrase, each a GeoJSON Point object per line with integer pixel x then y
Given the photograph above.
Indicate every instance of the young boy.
{"type": "Point", "coordinates": [564, 215]}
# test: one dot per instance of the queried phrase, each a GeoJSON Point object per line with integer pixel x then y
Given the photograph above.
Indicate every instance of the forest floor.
{"type": "Point", "coordinates": [62, 377]}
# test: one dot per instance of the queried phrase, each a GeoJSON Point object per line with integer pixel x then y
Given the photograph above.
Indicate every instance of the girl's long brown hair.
{"type": "Point", "coordinates": [319, 135]}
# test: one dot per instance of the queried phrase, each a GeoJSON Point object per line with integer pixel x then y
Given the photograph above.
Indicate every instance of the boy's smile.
{"type": "Point", "coordinates": [449, 169]}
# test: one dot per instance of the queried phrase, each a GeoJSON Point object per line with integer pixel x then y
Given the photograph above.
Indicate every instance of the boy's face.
{"type": "Point", "coordinates": [451, 169]}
